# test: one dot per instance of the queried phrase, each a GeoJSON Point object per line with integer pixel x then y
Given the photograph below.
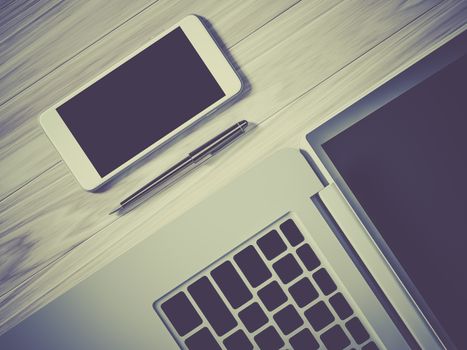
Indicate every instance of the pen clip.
{"type": "Point", "coordinates": [226, 142]}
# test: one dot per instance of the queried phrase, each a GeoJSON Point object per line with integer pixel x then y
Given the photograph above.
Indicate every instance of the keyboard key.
{"type": "Point", "coordinates": [231, 284]}
{"type": "Point", "coordinates": [370, 346]}
{"type": "Point", "coordinates": [269, 339]}
{"type": "Point", "coordinates": [202, 340]}
{"type": "Point", "coordinates": [253, 317]}
{"type": "Point", "coordinates": [271, 245]}
{"type": "Point", "coordinates": [308, 257]}
{"type": "Point", "coordinates": [341, 306]}
{"type": "Point", "coordinates": [288, 319]}
{"type": "Point", "coordinates": [303, 292]}
{"type": "Point", "coordinates": [287, 268]}
{"type": "Point", "coordinates": [357, 330]}
{"type": "Point", "coordinates": [238, 341]}
{"type": "Point", "coordinates": [319, 316]}
{"type": "Point", "coordinates": [252, 266]}
{"type": "Point", "coordinates": [212, 306]}
{"type": "Point", "coordinates": [324, 281]}
{"type": "Point", "coordinates": [304, 340]}
{"type": "Point", "coordinates": [181, 313]}
{"type": "Point", "coordinates": [291, 232]}
{"type": "Point", "coordinates": [272, 296]}
{"type": "Point", "coordinates": [335, 339]}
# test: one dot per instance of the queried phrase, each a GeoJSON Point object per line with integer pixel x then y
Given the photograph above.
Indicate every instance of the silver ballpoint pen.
{"type": "Point", "coordinates": [187, 164]}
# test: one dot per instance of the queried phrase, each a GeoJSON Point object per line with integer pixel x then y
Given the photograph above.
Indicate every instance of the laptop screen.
{"type": "Point", "coordinates": [406, 164]}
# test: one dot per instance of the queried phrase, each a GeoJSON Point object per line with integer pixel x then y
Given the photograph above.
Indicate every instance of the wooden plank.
{"type": "Point", "coordinates": [23, 145]}
{"type": "Point", "coordinates": [19, 15]}
{"type": "Point", "coordinates": [267, 70]}
{"type": "Point", "coordinates": [250, 21]}
{"type": "Point", "coordinates": [34, 32]}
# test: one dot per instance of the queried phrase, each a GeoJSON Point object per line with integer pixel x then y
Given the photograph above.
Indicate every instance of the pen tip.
{"type": "Point", "coordinates": [114, 210]}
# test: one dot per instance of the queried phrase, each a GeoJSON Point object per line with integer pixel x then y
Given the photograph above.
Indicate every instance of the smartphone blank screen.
{"type": "Point", "coordinates": [140, 102]}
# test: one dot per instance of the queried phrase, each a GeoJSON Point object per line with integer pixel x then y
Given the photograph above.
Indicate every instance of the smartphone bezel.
{"type": "Point", "coordinates": [69, 148]}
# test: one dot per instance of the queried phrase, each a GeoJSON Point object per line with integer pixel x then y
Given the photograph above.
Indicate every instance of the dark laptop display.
{"type": "Point", "coordinates": [406, 164]}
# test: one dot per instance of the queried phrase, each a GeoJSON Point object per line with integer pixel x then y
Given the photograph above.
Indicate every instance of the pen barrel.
{"type": "Point", "coordinates": [177, 169]}
{"type": "Point", "coordinates": [192, 161]}
{"type": "Point", "coordinates": [220, 141]}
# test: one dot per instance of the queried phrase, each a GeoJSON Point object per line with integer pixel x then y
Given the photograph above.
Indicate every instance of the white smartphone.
{"type": "Point", "coordinates": [140, 103]}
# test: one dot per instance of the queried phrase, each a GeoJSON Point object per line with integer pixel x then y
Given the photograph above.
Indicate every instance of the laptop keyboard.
{"type": "Point", "coordinates": [270, 293]}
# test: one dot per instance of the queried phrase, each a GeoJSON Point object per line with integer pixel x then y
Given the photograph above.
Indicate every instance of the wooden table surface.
{"type": "Point", "coordinates": [302, 61]}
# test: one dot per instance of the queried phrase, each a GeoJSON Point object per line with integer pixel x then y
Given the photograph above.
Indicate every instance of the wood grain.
{"type": "Point", "coordinates": [312, 102]}
{"type": "Point", "coordinates": [283, 70]}
{"type": "Point", "coordinates": [23, 145]}
{"type": "Point", "coordinates": [17, 16]}
{"type": "Point", "coordinates": [32, 44]}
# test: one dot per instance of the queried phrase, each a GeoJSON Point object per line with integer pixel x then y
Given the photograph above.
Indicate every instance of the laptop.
{"type": "Point", "coordinates": [356, 241]}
